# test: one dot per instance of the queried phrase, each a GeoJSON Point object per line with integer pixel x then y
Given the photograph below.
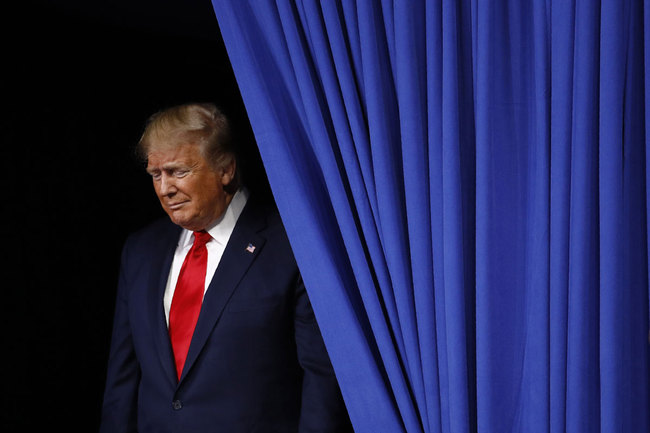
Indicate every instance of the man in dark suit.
{"type": "Point", "coordinates": [213, 329]}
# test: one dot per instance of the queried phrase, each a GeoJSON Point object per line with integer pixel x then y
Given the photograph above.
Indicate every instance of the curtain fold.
{"type": "Point", "coordinates": [464, 185]}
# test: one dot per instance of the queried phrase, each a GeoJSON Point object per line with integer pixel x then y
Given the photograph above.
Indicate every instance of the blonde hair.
{"type": "Point", "coordinates": [201, 124]}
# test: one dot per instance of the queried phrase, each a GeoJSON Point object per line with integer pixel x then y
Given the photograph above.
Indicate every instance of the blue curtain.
{"type": "Point", "coordinates": [464, 184]}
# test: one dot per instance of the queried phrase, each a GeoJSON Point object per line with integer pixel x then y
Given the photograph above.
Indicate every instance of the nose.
{"type": "Point", "coordinates": [167, 185]}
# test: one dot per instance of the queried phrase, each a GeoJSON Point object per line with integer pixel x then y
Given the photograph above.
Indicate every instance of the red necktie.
{"type": "Point", "coordinates": [188, 296]}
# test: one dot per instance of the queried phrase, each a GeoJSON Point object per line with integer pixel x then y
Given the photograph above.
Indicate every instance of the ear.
{"type": "Point", "coordinates": [228, 172]}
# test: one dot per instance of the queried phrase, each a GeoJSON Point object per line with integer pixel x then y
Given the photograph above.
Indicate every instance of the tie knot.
{"type": "Point", "coordinates": [201, 238]}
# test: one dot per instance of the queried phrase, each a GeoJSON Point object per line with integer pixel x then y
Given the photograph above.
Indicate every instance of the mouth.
{"type": "Point", "coordinates": [174, 206]}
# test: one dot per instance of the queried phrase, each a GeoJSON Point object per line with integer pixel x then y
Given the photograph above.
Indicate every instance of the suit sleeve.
{"type": "Point", "coordinates": [322, 408]}
{"type": "Point", "coordinates": [123, 372]}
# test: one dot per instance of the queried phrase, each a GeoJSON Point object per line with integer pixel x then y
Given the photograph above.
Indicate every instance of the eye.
{"type": "Point", "coordinates": [155, 175]}
{"type": "Point", "coordinates": [181, 172]}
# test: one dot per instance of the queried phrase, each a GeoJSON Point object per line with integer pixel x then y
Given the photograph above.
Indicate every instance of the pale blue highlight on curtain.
{"type": "Point", "coordinates": [464, 184]}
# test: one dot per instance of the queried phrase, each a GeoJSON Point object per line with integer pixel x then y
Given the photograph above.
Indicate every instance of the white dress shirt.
{"type": "Point", "coordinates": [220, 232]}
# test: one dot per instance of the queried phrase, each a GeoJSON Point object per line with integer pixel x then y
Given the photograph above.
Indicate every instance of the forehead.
{"type": "Point", "coordinates": [162, 155]}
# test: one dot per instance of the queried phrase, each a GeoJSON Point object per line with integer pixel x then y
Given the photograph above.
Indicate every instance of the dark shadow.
{"type": "Point", "coordinates": [79, 83]}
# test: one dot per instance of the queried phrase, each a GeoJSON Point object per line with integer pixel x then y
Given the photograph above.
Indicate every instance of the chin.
{"type": "Point", "coordinates": [188, 225]}
{"type": "Point", "coordinates": [188, 220]}
{"type": "Point", "coordinates": [179, 221]}
{"type": "Point", "coordinates": [184, 224]}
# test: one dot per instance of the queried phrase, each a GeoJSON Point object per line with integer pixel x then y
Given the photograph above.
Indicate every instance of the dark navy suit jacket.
{"type": "Point", "coordinates": [256, 362]}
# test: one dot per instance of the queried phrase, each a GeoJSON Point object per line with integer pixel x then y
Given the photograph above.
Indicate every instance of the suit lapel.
{"type": "Point", "coordinates": [234, 263]}
{"type": "Point", "coordinates": [161, 265]}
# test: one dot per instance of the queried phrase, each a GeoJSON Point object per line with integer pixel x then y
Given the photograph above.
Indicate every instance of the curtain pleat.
{"type": "Point", "coordinates": [562, 102]}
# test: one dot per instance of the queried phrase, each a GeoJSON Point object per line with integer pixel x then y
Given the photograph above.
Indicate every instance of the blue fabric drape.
{"type": "Point", "coordinates": [465, 188]}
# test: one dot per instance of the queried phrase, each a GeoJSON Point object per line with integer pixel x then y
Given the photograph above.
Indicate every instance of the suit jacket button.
{"type": "Point", "coordinates": [177, 405]}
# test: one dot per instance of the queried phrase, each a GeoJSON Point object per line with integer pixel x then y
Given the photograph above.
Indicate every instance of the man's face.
{"type": "Point", "coordinates": [189, 188]}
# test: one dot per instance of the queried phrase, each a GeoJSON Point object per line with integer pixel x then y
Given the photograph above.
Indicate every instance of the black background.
{"type": "Point", "coordinates": [79, 80]}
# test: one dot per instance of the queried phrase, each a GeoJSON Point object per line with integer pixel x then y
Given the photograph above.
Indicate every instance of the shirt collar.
{"type": "Point", "coordinates": [222, 228]}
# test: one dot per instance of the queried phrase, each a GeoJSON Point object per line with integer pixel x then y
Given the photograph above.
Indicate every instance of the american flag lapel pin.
{"type": "Point", "coordinates": [250, 248]}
